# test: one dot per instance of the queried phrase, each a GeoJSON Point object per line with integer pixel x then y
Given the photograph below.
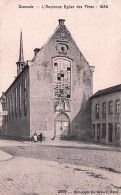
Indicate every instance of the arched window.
{"type": "Point", "coordinates": [62, 81]}
{"type": "Point", "coordinates": [97, 110]}
{"type": "Point", "coordinates": [62, 105]}
{"type": "Point", "coordinates": [12, 105]}
{"type": "Point", "coordinates": [16, 101]}
{"type": "Point", "coordinates": [25, 96]}
{"type": "Point", "coordinates": [110, 107]}
{"type": "Point", "coordinates": [19, 100]}
{"type": "Point", "coordinates": [117, 106]}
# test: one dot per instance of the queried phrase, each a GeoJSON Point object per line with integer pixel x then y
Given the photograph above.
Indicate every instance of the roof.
{"type": "Point", "coordinates": [107, 91]}
{"type": "Point", "coordinates": [16, 78]}
{"type": "Point", "coordinates": [60, 29]}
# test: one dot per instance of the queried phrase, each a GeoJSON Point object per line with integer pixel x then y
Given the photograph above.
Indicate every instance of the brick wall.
{"type": "Point", "coordinates": [16, 123]}
{"type": "Point", "coordinates": [42, 114]}
{"type": "Point", "coordinates": [112, 118]}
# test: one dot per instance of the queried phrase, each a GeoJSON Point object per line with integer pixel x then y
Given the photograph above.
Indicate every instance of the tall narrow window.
{"type": "Point", "coordinates": [9, 107]}
{"type": "Point", "coordinates": [25, 96]}
{"type": "Point", "coordinates": [97, 110]}
{"type": "Point", "coordinates": [104, 109]}
{"type": "Point", "coordinates": [6, 118]}
{"type": "Point", "coordinates": [12, 105]}
{"type": "Point", "coordinates": [117, 106]}
{"type": "Point", "coordinates": [16, 99]}
{"type": "Point", "coordinates": [62, 83]}
{"type": "Point", "coordinates": [19, 100]}
{"type": "Point", "coordinates": [110, 107]}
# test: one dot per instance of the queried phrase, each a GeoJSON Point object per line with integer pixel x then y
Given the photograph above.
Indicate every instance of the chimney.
{"type": "Point", "coordinates": [61, 21]}
{"type": "Point", "coordinates": [36, 50]}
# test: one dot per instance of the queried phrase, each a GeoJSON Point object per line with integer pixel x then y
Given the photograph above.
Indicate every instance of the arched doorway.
{"type": "Point", "coordinates": [62, 123]}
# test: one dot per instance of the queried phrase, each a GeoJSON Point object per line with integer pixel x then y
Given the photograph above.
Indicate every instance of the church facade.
{"type": "Point", "coordinates": [50, 94]}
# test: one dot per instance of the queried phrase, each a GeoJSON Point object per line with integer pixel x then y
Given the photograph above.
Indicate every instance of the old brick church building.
{"type": "Point", "coordinates": [50, 93]}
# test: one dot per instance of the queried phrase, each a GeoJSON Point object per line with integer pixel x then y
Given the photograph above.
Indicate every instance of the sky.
{"type": "Point", "coordinates": [96, 31]}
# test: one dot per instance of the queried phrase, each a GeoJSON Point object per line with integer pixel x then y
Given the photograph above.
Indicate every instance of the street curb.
{"type": "Point", "coordinates": [117, 149]}
{"type": "Point", "coordinates": [80, 147]}
{"type": "Point", "coordinates": [4, 156]}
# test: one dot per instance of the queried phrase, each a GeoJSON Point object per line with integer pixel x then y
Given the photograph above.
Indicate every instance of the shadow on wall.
{"type": "Point", "coordinates": [80, 126]}
{"type": "Point", "coordinates": [1, 130]}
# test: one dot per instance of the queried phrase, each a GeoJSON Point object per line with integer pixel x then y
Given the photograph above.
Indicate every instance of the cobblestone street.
{"type": "Point", "coordinates": [43, 170]}
{"type": "Point", "coordinates": [75, 156]}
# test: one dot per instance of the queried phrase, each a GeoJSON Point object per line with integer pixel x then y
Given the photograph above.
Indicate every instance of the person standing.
{"type": "Point", "coordinates": [40, 137]}
{"type": "Point", "coordinates": [35, 137]}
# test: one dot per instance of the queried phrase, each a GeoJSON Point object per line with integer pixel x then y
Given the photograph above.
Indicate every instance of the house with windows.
{"type": "Point", "coordinates": [106, 115]}
{"type": "Point", "coordinates": [51, 92]}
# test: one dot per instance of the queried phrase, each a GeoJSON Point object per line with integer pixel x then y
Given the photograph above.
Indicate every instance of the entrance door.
{"type": "Point", "coordinates": [98, 131]}
{"type": "Point", "coordinates": [110, 132]}
{"type": "Point", "coordinates": [61, 125]}
{"type": "Point", "coordinates": [104, 131]}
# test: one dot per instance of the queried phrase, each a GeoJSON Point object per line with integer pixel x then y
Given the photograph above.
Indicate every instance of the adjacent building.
{"type": "Point", "coordinates": [106, 115]}
{"type": "Point", "coordinates": [51, 92]}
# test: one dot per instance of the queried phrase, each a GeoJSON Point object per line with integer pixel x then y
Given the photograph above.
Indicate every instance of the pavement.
{"type": "Point", "coordinates": [62, 143]}
{"type": "Point", "coordinates": [28, 176]}
{"type": "Point", "coordinates": [79, 144]}
{"type": "Point", "coordinates": [54, 143]}
{"type": "Point", "coordinates": [4, 156]}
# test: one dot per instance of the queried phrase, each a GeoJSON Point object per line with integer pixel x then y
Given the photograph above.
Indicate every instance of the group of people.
{"type": "Point", "coordinates": [37, 137]}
